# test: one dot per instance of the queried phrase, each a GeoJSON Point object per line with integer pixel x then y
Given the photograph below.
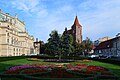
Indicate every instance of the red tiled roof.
{"type": "Point", "coordinates": [104, 45]}
{"type": "Point", "coordinates": [76, 22]}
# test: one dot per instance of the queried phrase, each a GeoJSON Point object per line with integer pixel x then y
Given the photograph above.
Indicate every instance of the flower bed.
{"type": "Point", "coordinates": [33, 70]}
{"type": "Point", "coordinates": [57, 60]}
{"type": "Point", "coordinates": [81, 71]}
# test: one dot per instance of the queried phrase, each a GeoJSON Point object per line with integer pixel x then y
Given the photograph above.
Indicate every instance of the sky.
{"type": "Point", "coordinates": [99, 18]}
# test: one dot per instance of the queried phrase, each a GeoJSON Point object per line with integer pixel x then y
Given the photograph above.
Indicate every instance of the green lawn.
{"type": "Point", "coordinates": [5, 64]}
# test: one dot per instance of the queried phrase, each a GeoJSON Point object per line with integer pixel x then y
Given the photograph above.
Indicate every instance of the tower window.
{"type": "Point", "coordinates": [73, 31]}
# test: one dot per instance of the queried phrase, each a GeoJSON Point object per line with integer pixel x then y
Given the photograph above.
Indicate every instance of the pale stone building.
{"type": "Point", "coordinates": [14, 39]}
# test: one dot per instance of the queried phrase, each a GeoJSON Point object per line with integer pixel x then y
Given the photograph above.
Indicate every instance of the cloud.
{"type": "Point", "coordinates": [64, 9]}
{"type": "Point", "coordinates": [30, 6]}
{"type": "Point", "coordinates": [99, 18]}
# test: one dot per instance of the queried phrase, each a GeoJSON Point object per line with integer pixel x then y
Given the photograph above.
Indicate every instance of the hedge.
{"type": "Point", "coordinates": [111, 61]}
{"type": "Point", "coordinates": [11, 58]}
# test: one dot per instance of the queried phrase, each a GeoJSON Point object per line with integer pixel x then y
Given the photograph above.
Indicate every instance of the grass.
{"type": "Point", "coordinates": [5, 64]}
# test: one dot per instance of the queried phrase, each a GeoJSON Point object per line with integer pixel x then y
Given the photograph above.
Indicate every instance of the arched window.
{"type": "Point", "coordinates": [13, 49]}
{"type": "Point", "coordinates": [7, 40]}
{"type": "Point", "coordinates": [7, 34]}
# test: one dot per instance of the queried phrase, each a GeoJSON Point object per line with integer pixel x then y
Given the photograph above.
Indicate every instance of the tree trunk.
{"type": "Point", "coordinates": [60, 57]}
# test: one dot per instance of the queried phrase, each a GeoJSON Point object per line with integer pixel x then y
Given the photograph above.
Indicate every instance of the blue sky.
{"type": "Point", "coordinates": [99, 18]}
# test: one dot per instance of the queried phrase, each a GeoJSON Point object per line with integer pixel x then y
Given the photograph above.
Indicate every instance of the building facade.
{"type": "Point", "coordinates": [14, 39]}
{"type": "Point", "coordinates": [109, 48]}
{"type": "Point", "coordinates": [37, 45]}
{"type": "Point", "coordinates": [76, 31]}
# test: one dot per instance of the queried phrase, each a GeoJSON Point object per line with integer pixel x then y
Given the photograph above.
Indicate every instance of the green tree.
{"type": "Point", "coordinates": [78, 50]}
{"type": "Point", "coordinates": [67, 41]}
{"type": "Point", "coordinates": [54, 43]}
{"type": "Point", "coordinates": [87, 45]}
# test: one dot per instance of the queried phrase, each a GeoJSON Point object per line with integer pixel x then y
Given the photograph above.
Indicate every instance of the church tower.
{"type": "Point", "coordinates": [77, 31]}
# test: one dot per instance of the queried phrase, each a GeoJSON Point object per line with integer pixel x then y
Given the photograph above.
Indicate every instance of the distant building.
{"type": "Point", "coordinates": [14, 39]}
{"type": "Point", "coordinates": [97, 42]}
{"type": "Point", "coordinates": [109, 48]}
{"type": "Point", "coordinates": [118, 35]}
{"type": "Point", "coordinates": [37, 45]}
{"type": "Point", "coordinates": [76, 31]}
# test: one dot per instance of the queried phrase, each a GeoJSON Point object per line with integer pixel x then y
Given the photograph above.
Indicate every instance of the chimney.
{"type": "Point", "coordinates": [36, 39]}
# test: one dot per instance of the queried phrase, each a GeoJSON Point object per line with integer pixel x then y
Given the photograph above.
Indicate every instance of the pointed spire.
{"type": "Point", "coordinates": [76, 22]}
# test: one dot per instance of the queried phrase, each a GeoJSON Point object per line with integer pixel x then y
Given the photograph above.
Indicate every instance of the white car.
{"type": "Point", "coordinates": [93, 56]}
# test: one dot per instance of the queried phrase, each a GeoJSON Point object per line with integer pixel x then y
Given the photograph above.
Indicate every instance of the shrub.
{"type": "Point", "coordinates": [11, 58]}
{"type": "Point", "coordinates": [111, 61]}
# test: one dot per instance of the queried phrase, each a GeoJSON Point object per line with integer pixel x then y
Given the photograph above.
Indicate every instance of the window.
{"type": "Point", "coordinates": [7, 40]}
{"type": "Point", "coordinates": [17, 51]}
{"type": "Point", "coordinates": [73, 31]}
{"type": "Point", "coordinates": [14, 49]}
{"type": "Point", "coordinates": [7, 34]}
{"type": "Point", "coordinates": [99, 51]}
{"type": "Point", "coordinates": [11, 40]}
{"type": "Point", "coordinates": [14, 54]}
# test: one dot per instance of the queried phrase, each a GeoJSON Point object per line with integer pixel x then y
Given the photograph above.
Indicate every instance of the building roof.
{"type": "Point", "coordinates": [106, 44]}
{"type": "Point", "coordinates": [76, 22]}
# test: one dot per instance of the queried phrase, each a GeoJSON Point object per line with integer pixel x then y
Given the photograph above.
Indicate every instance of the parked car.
{"type": "Point", "coordinates": [93, 56]}
{"type": "Point", "coordinates": [102, 57]}
{"type": "Point", "coordinates": [105, 57]}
